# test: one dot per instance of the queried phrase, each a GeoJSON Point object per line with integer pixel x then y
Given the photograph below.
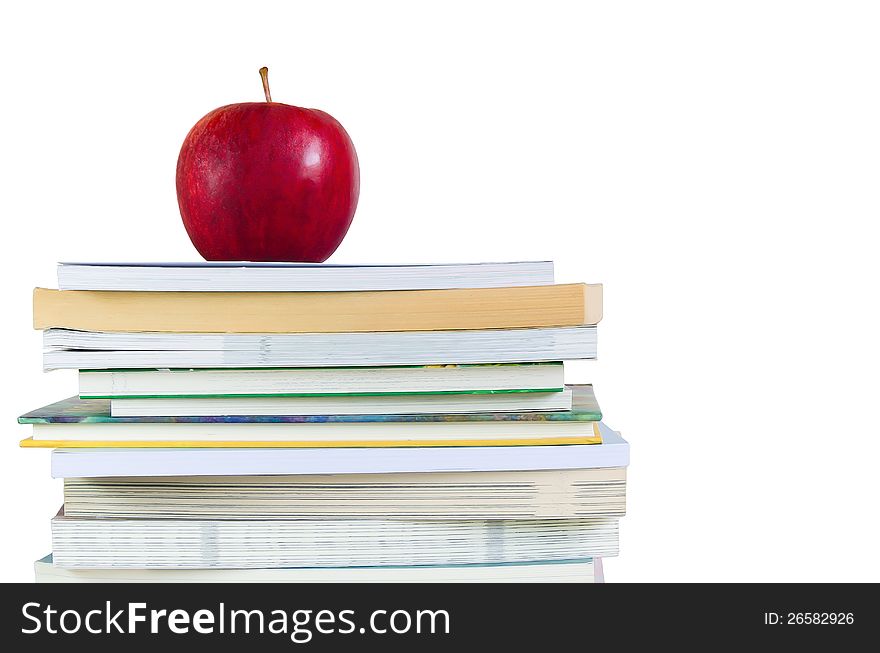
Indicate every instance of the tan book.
{"type": "Point", "coordinates": [319, 312]}
{"type": "Point", "coordinates": [538, 494]}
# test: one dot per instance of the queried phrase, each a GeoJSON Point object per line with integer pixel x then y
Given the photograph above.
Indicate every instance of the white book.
{"type": "Point", "coordinates": [69, 349]}
{"type": "Point", "coordinates": [236, 544]}
{"type": "Point", "coordinates": [582, 570]}
{"type": "Point", "coordinates": [401, 404]}
{"type": "Point", "coordinates": [538, 494]}
{"type": "Point", "coordinates": [319, 381]}
{"type": "Point", "coordinates": [280, 277]}
{"type": "Point", "coordinates": [82, 463]}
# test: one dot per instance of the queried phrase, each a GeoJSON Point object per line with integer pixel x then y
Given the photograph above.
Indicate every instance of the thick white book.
{"type": "Point", "coordinates": [258, 543]}
{"type": "Point", "coordinates": [235, 276]}
{"type": "Point", "coordinates": [538, 494]}
{"type": "Point", "coordinates": [83, 463]}
{"type": "Point", "coordinates": [399, 404]}
{"type": "Point", "coordinates": [69, 349]}
{"type": "Point", "coordinates": [320, 381]}
{"type": "Point", "coordinates": [581, 570]}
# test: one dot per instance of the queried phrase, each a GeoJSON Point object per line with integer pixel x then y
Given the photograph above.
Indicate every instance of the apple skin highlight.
{"type": "Point", "coordinates": [265, 181]}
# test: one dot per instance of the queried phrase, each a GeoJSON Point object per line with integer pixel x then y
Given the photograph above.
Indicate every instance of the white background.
{"type": "Point", "coordinates": [714, 164]}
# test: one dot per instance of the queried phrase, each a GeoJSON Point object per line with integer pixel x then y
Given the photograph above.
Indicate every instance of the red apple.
{"type": "Point", "coordinates": [265, 181]}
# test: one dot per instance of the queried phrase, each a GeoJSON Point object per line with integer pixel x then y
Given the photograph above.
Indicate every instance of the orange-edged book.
{"type": "Point", "coordinates": [319, 312]}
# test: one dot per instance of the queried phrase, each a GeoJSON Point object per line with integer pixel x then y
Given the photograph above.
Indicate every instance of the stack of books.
{"type": "Point", "coordinates": [299, 423]}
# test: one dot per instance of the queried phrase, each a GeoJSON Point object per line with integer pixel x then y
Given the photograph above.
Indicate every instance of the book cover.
{"type": "Point", "coordinates": [78, 422]}
{"type": "Point", "coordinates": [74, 410]}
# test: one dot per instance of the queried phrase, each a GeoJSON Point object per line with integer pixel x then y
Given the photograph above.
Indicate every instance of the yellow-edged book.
{"type": "Point", "coordinates": [319, 312]}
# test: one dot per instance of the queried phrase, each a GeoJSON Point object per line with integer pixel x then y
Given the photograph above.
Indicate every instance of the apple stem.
{"type": "Point", "coordinates": [264, 75]}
